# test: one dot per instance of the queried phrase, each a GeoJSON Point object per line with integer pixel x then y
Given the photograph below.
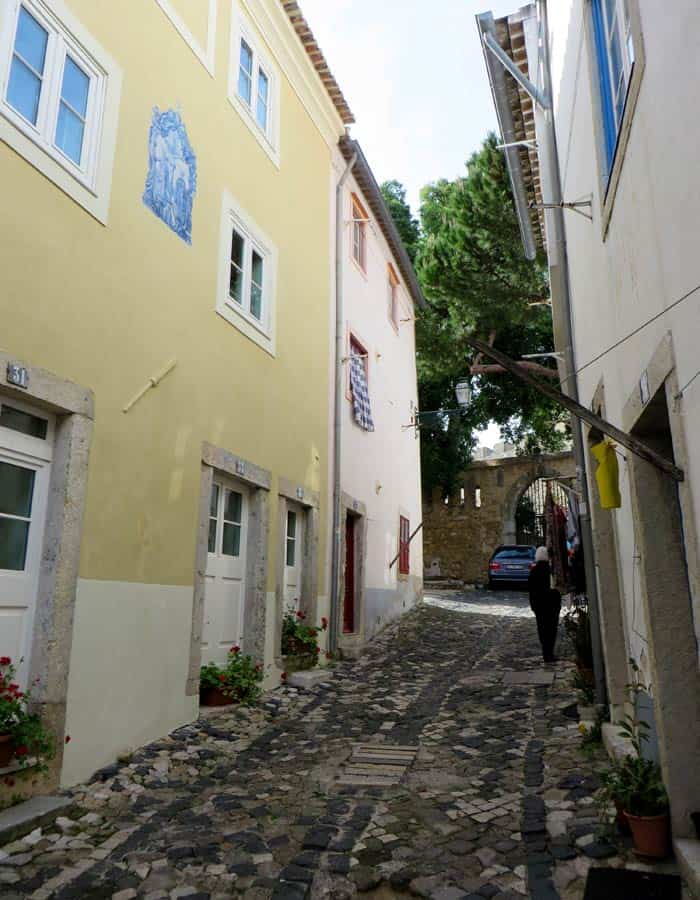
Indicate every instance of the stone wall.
{"type": "Point", "coordinates": [459, 537]}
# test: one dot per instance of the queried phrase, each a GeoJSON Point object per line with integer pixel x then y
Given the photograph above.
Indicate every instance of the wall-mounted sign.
{"type": "Point", "coordinates": [17, 375]}
{"type": "Point", "coordinates": [644, 387]}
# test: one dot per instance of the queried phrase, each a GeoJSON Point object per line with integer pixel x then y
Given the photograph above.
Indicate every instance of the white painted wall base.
{"type": "Point", "coordinates": [128, 670]}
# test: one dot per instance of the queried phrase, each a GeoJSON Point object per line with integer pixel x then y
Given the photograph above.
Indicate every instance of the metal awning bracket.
{"type": "Point", "coordinates": [576, 206]}
{"type": "Point", "coordinates": [500, 54]}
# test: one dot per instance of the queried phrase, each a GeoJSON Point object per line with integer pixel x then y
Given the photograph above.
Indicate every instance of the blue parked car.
{"type": "Point", "coordinates": [511, 563]}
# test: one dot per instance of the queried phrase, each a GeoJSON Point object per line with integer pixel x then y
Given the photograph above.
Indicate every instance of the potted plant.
{"type": "Point", "coordinates": [236, 682]}
{"type": "Point", "coordinates": [646, 806]}
{"type": "Point", "coordinates": [635, 785]}
{"type": "Point", "coordinates": [300, 647]}
{"type": "Point", "coordinates": [22, 734]}
{"type": "Point", "coordinates": [578, 630]}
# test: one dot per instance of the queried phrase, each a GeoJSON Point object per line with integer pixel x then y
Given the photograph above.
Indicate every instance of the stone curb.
{"type": "Point", "coordinates": [16, 821]}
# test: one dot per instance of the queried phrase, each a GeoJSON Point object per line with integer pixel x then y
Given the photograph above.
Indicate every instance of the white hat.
{"type": "Point", "coordinates": [541, 554]}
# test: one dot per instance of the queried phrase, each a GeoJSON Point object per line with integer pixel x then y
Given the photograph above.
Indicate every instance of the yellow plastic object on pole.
{"type": "Point", "coordinates": [607, 475]}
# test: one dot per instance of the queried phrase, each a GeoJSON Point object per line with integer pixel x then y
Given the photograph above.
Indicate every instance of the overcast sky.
{"type": "Point", "coordinates": [414, 76]}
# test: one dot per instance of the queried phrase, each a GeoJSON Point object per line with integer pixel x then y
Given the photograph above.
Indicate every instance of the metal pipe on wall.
{"type": "Point", "coordinates": [337, 410]}
{"type": "Point", "coordinates": [570, 382]}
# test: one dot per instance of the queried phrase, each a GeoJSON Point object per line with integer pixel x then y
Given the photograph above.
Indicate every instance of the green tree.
{"type": "Point", "coordinates": [394, 194]}
{"type": "Point", "coordinates": [473, 271]}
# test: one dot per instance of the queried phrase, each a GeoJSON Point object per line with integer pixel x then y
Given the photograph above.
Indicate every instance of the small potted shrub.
{"type": "Point", "coordinates": [635, 786]}
{"type": "Point", "coordinates": [236, 682]}
{"type": "Point", "coordinates": [578, 630]}
{"type": "Point", "coordinates": [300, 647]}
{"type": "Point", "coordinates": [646, 806]}
{"type": "Point", "coordinates": [22, 735]}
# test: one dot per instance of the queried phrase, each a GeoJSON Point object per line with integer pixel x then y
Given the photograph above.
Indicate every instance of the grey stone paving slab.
{"type": "Point", "coordinates": [530, 678]}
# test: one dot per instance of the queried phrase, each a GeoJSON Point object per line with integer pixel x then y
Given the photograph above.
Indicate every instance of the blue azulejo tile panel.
{"type": "Point", "coordinates": [171, 182]}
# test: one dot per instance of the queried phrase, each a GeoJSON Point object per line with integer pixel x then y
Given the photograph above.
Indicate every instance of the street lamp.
{"type": "Point", "coordinates": [463, 390]}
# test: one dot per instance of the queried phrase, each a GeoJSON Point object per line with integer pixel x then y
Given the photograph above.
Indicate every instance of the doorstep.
{"type": "Point", "coordinates": [16, 821]}
{"type": "Point", "coordinates": [688, 858]}
{"type": "Point", "coordinates": [308, 678]}
{"type": "Point", "coordinates": [615, 742]}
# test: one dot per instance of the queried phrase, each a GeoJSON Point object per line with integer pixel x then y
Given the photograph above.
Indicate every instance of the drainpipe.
{"type": "Point", "coordinates": [337, 409]}
{"type": "Point", "coordinates": [570, 382]}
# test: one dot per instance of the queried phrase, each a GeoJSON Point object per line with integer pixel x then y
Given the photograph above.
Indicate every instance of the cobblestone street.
{"type": "Point", "coordinates": [467, 781]}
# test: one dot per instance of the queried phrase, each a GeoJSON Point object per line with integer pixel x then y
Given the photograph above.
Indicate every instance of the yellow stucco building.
{"type": "Point", "coordinates": [166, 272]}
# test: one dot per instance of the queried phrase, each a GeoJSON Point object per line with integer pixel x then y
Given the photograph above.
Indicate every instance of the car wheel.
{"type": "Point", "coordinates": [492, 586]}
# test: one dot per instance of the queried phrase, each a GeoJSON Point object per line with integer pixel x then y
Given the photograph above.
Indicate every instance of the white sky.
{"type": "Point", "coordinates": [419, 115]}
{"type": "Point", "coordinates": [414, 76]}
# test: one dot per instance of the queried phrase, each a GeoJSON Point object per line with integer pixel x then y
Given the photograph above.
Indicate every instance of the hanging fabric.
{"type": "Point", "coordinates": [360, 393]}
{"type": "Point", "coordinates": [607, 475]}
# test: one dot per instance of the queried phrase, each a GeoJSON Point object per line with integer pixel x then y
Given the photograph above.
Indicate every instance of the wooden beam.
{"type": "Point", "coordinates": [495, 369]}
{"type": "Point", "coordinates": [621, 437]}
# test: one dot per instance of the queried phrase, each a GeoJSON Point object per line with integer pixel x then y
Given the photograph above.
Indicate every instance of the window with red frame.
{"type": "Point", "coordinates": [404, 548]}
{"type": "Point", "coordinates": [359, 233]}
{"type": "Point", "coordinates": [393, 298]}
{"type": "Point", "coordinates": [357, 349]}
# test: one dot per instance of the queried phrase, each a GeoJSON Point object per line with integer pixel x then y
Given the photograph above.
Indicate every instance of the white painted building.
{"type": "Point", "coordinates": [380, 573]}
{"type": "Point", "coordinates": [624, 83]}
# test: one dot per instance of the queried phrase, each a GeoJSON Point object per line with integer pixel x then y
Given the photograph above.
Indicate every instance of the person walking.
{"type": "Point", "coordinates": [545, 602]}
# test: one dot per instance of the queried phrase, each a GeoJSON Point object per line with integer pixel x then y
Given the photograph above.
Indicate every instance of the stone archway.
{"type": "Point", "coordinates": [461, 535]}
{"type": "Point", "coordinates": [517, 492]}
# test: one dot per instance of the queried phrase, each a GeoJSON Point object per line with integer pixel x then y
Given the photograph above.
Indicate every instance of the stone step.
{"type": "Point", "coordinates": [16, 821]}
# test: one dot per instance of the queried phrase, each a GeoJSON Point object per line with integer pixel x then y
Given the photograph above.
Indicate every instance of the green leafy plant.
{"type": "Point", "coordinates": [577, 627]}
{"type": "Point", "coordinates": [584, 688]}
{"type": "Point", "coordinates": [33, 744]}
{"type": "Point", "coordinates": [592, 737]}
{"type": "Point", "coordinates": [298, 638]}
{"type": "Point", "coordinates": [634, 783]}
{"type": "Point", "coordinates": [239, 679]}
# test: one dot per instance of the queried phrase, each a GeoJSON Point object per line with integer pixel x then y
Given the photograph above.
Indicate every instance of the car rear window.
{"type": "Point", "coordinates": [515, 553]}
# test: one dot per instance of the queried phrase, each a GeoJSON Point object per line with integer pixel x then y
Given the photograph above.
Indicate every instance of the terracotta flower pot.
{"type": "Point", "coordinates": [7, 750]}
{"type": "Point", "coordinates": [214, 697]}
{"type": "Point", "coordinates": [621, 819]}
{"type": "Point", "coordinates": [650, 834]}
{"type": "Point", "coordinates": [586, 674]}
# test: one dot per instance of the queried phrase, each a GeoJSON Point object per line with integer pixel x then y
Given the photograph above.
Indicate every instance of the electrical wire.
{"type": "Point", "coordinates": [636, 331]}
{"type": "Point", "coordinates": [686, 386]}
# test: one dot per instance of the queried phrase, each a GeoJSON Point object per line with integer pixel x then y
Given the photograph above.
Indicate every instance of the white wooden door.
{"type": "Point", "coordinates": [294, 555]}
{"type": "Point", "coordinates": [26, 439]}
{"type": "Point", "coordinates": [224, 594]}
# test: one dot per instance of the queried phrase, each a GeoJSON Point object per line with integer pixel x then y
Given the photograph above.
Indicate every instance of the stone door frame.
{"type": "Point", "coordinates": [258, 480]}
{"type": "Point", "coordinates": [669, 577]}
{"type": "Point", "coordinates": [52, 639]}
{"type": "Point", "coordinates": [287, 491]}
{"type": "Point", "coordinates": [351, 644]}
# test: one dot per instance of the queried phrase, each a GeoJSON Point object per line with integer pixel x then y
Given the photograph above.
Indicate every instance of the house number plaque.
{"type": "Point", "coordinates": [17, 375]}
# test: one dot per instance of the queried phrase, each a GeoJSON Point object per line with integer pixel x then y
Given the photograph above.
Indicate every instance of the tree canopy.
{"type": "Point", "coordinates": [394, 194]}
{"type": "Point", "coordinates": [477, 281]}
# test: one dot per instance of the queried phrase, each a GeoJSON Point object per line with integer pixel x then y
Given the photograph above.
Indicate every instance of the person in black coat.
{"type": "Point", "coordinates": [545, 602]}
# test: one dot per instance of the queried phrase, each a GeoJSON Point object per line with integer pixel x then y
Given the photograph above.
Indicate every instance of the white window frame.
{"type": "Point", "coordinates": [205, 54]}
{"type": "Point", "coordinates": [394, 297]}
{"type": "Point", "coordinates": [88, 182]}
{"type": "Point", "coordinates": [268, 137]}
{"type": "Point", "coordinates": [261, 331]}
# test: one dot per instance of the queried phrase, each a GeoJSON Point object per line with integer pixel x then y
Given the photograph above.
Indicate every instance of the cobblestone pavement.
{"type": "Point", "coordinates": [491, 796]}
